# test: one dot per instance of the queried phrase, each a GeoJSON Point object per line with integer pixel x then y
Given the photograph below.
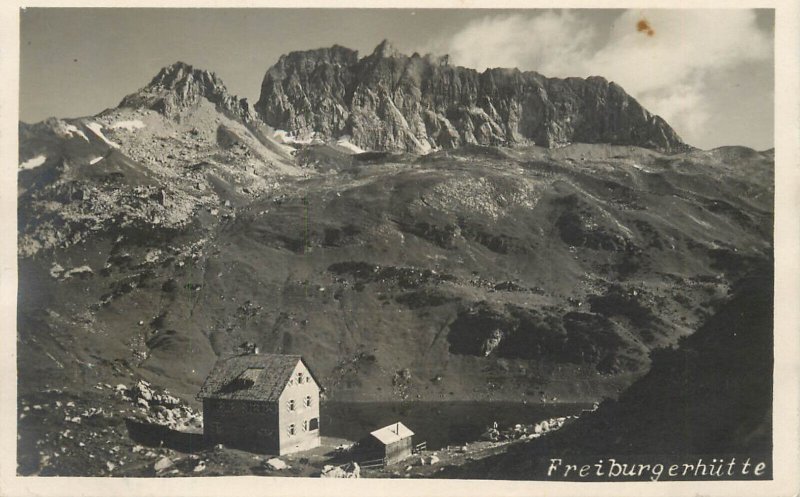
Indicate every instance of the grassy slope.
{"type": "Point", "coordinates": [585, 258]}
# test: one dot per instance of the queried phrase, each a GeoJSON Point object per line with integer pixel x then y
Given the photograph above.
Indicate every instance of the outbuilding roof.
{"type": "Point", "coordinates": [392, 433]}
{"type": "Point", "coordinates": [251, 377]}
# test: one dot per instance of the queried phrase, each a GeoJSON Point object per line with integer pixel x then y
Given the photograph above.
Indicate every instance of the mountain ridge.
{"type": "Point", "coordinates": [388, 101]}
{"type": "Point", "coordinates": [391, 101]}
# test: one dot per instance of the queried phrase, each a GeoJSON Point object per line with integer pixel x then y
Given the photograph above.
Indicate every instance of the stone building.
{"type": "Point", "coordinates": [266, 403]}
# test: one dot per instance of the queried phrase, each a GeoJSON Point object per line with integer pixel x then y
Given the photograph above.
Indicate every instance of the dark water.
{"type": "Point", "coordinates": [438, 423]}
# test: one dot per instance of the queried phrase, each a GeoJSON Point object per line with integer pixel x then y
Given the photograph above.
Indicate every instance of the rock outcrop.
{"type": "Point", "coordinates": [350, 470]}
{"type": "Point", "coordinates": [179, 87]}
{"type": "Point", "coordinates": [390, 101]}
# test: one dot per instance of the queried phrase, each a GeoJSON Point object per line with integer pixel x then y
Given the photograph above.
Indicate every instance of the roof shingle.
{"type": "Point", "coordinates": [249, 377]}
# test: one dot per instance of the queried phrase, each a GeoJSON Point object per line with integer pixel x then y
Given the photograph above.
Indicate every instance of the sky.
{"type": "Point", "coordinates": [709, 73]}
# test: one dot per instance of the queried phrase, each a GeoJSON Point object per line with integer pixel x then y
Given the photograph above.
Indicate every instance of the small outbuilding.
{"type": "Point", "coordinates": [266, 403]}
{"type": "Point", "coordinates": [393, 443]}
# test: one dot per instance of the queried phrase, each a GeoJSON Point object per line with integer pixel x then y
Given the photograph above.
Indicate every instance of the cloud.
{"type": "Point", "coordinates": [545, 42]}
{"type": "Point", "coordinates": [682, 105]}
{"type": "Point", "coordinates": [665, 62]}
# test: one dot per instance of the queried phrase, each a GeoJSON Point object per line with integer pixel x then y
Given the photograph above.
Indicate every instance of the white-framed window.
{"type": "Point", "coordinates": [307, 401]}
{"type": "Point", "coordinates": [291, 429]}
{"type": "Point", "coordinates": [299, 377]}
{"type": "Point", "coordinates": [290, 405]}
{"type": "Point", "coordinates": [308, 378]}
{"type": "Point", "coordinates": [305, 425]}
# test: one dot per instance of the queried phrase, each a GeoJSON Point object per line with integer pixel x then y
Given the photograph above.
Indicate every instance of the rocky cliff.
{"type": "Point", "coordinates": [390, 101]}
{"type": "Point", "coordinates": [180, 87]}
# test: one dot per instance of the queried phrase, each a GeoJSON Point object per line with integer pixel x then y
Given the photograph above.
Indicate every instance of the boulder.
{"type": "Point", "coordinates": [143, 390]}
{"type": "Point", "coordinates": [275, 464]}
{"type": "Point", "coordinates": [56, 270]}
{"type": "Point", "coordinates": [492, 434]}
{"type": "Point", "coordinates": [491, 342]}
{"type": "Point", "coordinates": [163, 463]}
{"type": "Point", "coordinates": [330, 471]}
{"type": "Point", "coordinates": [352, 470]}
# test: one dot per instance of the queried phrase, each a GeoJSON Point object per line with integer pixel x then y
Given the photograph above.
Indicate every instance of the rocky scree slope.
{"type": "Point", "coordinates": [179, 145]}
{"type": "Point", "coordinates": [390, 101]}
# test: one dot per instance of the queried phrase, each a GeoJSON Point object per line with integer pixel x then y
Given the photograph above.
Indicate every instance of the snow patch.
{"type": "Point", "coordinates": [622, 227]}
{"type": "Point", "coordinates": [34, 162]}
{"type": "Point", "coordinates": [285, 137]}
{"type": "Point", "coordinates": [280, 135]}
{"type": "Point", "coordinates": [97, 130]}
{"type": "Point", "coordinates": [128, 125]}
{"type": "Point", "coordinates": [424, 146]}
{"type": "Point", "coordinates": [344, 142]}
{"type": "Point", "coordinates": [700, 221]}
{"type": "Point", "coordinates": [95, 160]}
{"type": "Point", "coordinates": [71, 129]}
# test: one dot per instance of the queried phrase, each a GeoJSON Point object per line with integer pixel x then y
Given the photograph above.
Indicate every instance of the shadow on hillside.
{"type": "Point", "coordinates": [153, 435]}
{"type": "Point", "coordinates": [707, 399]}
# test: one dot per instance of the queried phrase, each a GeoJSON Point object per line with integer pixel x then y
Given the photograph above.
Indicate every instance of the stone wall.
{"type": "Point", "coordinates": [249, 425]}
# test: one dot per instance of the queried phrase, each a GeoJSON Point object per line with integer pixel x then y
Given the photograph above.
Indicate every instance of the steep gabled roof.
{"type": "Point", "coordinates": [250, 377]}
{"type": "Point", "coordinates": [392, 433]}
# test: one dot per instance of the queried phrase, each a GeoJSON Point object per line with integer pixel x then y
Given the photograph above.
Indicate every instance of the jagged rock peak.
{"type": "Point", "coordinates": [390, 101]}
{"type": "Point", "coordinates": [179, 73]}
{"type": "Point", "coordinates": [385, 49]}
{"type": "Point", "coordinates": [180, 87]}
